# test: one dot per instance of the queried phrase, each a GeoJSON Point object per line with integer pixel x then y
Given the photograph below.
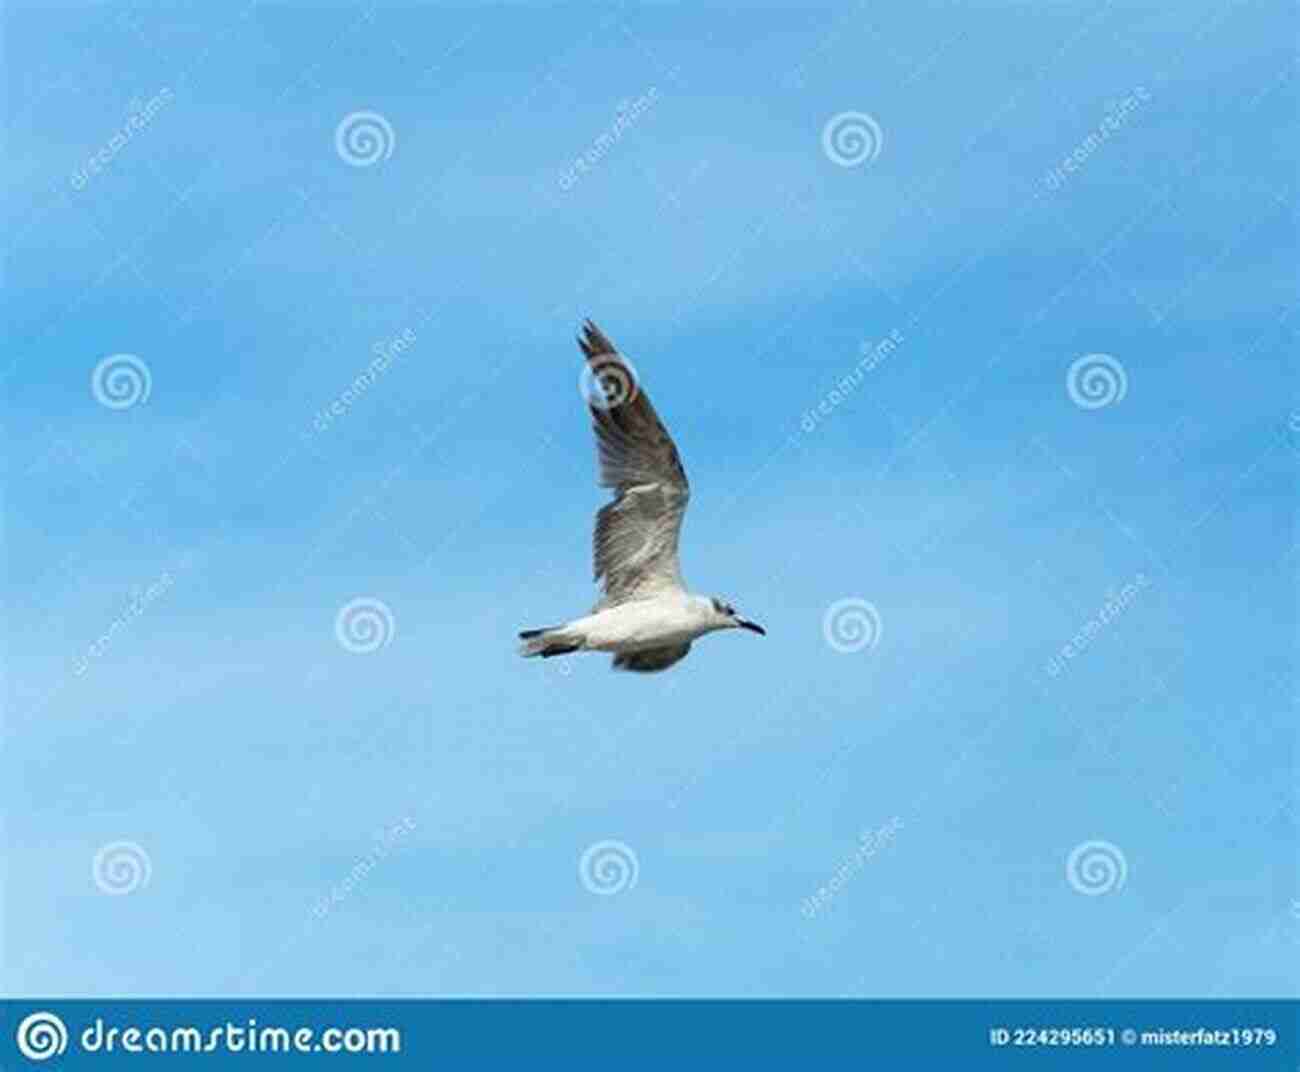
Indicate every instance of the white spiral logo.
{"type": "Point", "coordinates": [41, 1035]}
{"type": "Point", "coordinates": [608, 382]}
{"type": "Point", "coordinates": [1096, 380]}
{"type": "Point", "coordinates": [364, 625]}
{"type": "Point", "coordinates": [364, 138]}
{"type": "Point", "coordinates": [121, 867]}
{"type": "Point", "coordinates": [1096, 867]}
{"type": "Point", "coordinates": [851, 139]}
{"type": "Point", "coordinates": [608, 867]}
{"type": "Point", "coordinates": [851, 625]}
{"type": "Point", "coordinates": [121, 381]}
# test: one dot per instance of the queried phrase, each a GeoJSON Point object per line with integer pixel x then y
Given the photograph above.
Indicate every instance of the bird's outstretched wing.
{"type": "Point", "coordinates": [635, 543]}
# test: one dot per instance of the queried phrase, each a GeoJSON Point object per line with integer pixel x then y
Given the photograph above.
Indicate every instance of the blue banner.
{"type": "Point", "coordinates": [618, 1034]}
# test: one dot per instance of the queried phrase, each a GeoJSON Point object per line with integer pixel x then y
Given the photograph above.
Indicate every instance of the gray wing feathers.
{"type": "Point", "coordinates": [636, 537]}
{"type": "Point", "coordinates": [648, 662]}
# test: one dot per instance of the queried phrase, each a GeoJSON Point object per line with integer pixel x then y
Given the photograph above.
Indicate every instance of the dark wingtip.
{"type": "Point", "coordinates": [593, 341]}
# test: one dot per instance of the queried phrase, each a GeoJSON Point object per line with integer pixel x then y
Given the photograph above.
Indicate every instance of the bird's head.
{"type": "Point", "coordinates": [726, 617]}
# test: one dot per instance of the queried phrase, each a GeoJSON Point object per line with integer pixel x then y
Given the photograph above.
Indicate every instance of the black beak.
{"type": "Point", "coordinates": [753, 627]}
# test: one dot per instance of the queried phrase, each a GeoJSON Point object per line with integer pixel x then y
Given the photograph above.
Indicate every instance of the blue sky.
{"type": "Point", "coordinates": [411, 820]}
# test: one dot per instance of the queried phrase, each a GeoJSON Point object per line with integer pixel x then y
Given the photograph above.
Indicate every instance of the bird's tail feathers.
{"type": "Point", "coordinates": [552, 640]}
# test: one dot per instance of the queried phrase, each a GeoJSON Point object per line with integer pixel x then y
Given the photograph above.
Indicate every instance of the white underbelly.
{"type": "Point", "coordinates": [651, 623]}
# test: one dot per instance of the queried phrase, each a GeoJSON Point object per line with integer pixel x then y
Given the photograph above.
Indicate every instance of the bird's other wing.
{"type": "Point", "coordinates": [635, 543]}
{"type": "Point", "coordinates": [653, 659]}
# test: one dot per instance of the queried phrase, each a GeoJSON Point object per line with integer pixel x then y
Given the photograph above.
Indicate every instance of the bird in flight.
{"type": "Point", "coordinates": [646, 617]}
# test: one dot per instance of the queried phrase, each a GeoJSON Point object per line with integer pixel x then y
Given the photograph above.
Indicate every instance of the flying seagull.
{"type": "Point", "coordinates": [646, 617]}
